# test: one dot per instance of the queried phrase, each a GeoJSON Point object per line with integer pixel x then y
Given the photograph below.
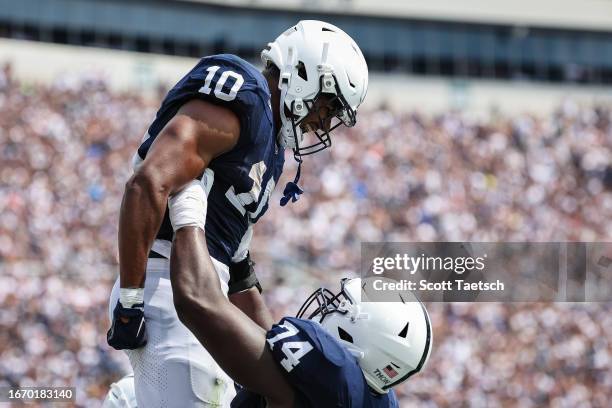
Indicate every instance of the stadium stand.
{"type": "Point", "coordinates": [527, 40]}
{"type": "Point", "coordinates": [534, 164]}
{"type": "Point", "coordinates": [397, 176]}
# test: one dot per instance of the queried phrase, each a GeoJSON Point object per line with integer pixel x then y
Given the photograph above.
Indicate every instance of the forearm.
{"type": "Point", "coordinates": [142, 212]}
{"type": "Point", "coordinates": [236, 342]}
{"type": "Point", "coordinates": [251, 303]}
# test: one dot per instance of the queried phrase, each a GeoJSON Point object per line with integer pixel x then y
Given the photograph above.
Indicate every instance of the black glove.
{"type": "Point", "coordinates": [128, 335]}
{"type": "Point", "coordinates": [242, 276]}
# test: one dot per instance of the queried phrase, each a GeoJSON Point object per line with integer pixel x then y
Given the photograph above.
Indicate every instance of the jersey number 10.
{"type": "Point", "coordinates": [239, 200]}
{"type": "Point", "coordinates": [206, 89]}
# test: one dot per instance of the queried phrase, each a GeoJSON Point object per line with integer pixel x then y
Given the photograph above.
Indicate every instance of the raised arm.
{"type": "Point", "coordinates": [235, 341]}
{"type": "Point", "coordinates": [199, 132]}
{"type": "Point", "coordinates": [251, 302]}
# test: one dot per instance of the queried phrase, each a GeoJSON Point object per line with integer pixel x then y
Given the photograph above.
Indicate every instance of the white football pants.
{"type": "Point", "coordinates": [173, 370]}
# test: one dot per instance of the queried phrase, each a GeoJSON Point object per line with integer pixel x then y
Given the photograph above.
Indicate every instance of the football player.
{"type": "Point", "coordinates": [348, 351]}
{"type": "Point", "coordinates": [226, 125]}
{"type": "Point", "coordinates": [341, 350]}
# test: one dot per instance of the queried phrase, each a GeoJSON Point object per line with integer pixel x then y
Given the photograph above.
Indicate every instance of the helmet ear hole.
{"type": "Point", "coordinates": [344, 335]}
{"type": "Point", "coordinates": [301, 71]}
{"type": "Point", "coordinates": [404, 331]}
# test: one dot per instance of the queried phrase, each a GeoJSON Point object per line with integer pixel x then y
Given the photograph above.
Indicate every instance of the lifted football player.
{"type": "Point", "coordinates": [226, 125]}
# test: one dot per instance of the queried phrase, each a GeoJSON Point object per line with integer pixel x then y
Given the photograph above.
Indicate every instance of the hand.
{"type": "Point", "coordinates": [128, 331]}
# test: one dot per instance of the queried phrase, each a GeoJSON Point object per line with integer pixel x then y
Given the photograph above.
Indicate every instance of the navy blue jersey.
{"type": "Point", "coordinates": [322, 372]}
{"type": "Point", "coordinates": [239, 182]}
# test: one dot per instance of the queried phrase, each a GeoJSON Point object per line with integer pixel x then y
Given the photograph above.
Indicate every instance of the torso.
{"type": "Point", "coordinates": [239, 182]}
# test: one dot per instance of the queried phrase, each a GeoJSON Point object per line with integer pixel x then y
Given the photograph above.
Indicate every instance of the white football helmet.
{"type": "Point", "coordinates": [122, 394]}
{"type": "Point", "coordinates": [316, 58]}
{"type": "Point", "coordinates": [391, 340]}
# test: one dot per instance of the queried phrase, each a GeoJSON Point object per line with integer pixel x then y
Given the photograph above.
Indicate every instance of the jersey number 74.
{"type": "Point", "coordinates": [293, 350]}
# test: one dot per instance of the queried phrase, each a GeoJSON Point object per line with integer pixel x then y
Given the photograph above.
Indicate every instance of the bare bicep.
{"type": "Point", "coordinates": [218, 127]}
{"type": "Point", "coordinates": [199, 132]}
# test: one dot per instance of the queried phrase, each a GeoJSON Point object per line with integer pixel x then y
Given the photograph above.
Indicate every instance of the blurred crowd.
{"type": "Point", "coordinates": [65, 150]}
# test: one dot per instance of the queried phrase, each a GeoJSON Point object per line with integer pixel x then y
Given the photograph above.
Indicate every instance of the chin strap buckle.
{"type": "Point", "coordinates": [292, 191]}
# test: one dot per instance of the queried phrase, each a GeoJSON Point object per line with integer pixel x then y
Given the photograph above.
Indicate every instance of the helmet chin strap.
{"type": "Point", "coordinates": [281, 136]}
{"type": "Point", "coordinates": [289, 131]}
{"type": "Point", "coordinates": [292, 191]}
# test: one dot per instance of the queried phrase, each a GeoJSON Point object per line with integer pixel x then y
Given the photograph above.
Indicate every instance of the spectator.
{"type": "Point", "coordinates": [66, 150]}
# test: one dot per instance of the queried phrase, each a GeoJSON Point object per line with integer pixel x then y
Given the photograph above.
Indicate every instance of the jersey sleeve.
{"type": "Point", "coordinates": [315, 363]}
{"type": "Point", "coordinates": [220, 81]}
{"type": "Point", "coordinates": [224, 80]}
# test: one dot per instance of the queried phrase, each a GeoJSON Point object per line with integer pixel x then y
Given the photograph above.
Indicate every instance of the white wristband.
{"type": "Point", "coordinates": [131, 296]}
{"type": "Point", "coordinates": [188, 206]}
